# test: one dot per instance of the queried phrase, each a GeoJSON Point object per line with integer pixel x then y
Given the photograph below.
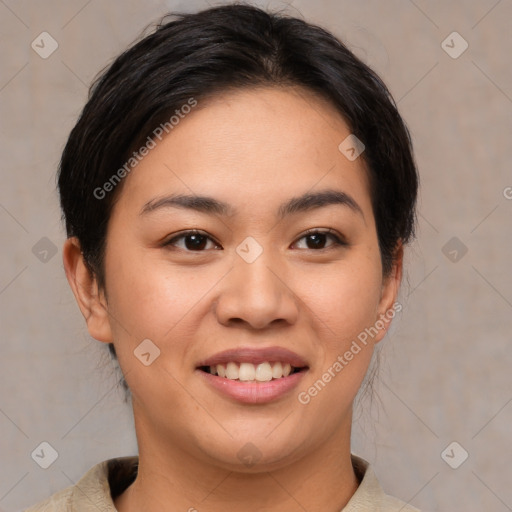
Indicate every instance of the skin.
{"type": "Point", "coordinates": [253, 149]}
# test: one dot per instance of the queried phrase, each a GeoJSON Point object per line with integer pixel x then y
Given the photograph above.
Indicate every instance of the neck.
{"type": "Point", "coordinates": [324, 480]}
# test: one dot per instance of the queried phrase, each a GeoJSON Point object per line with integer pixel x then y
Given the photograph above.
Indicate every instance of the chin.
{"type": "Point", "coordinates": [255, 454]}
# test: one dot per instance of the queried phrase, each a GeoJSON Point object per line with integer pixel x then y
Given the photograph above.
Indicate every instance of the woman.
{"type": "Point", "coordinates": [237, 194]}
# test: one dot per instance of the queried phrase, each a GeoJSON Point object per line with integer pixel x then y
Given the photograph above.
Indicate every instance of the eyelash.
{"type": "Point", "coordinates": [338, 240]}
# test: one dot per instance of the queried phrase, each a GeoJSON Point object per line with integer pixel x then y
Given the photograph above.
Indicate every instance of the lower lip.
{"type": "Point", "coordinates": [254, 392]}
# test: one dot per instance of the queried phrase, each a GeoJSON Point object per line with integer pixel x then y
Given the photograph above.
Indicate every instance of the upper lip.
{"type": "Point", "coordinates": [255, 356]}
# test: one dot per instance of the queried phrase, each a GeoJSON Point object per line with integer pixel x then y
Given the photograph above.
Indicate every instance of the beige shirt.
{"type": "Point", "coordinates": [93, 492]}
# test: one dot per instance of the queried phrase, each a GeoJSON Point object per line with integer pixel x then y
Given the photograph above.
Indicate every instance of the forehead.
{"type": "Point", "coordinates": [248, 146]}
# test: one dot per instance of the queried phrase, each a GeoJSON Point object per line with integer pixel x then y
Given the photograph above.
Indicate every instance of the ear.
{"type": "Point", "coordinates": [388, 305]}
{"type": "Point", "coordinates": [90, 299]}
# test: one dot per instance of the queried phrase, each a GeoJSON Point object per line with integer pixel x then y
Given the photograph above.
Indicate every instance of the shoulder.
{"type": "Point", "coordinates": [57, 502]}
{"type": "Point", "coordinates": [370, 495]}
{"type": "Point", "coordinates": [93, 491]}
{"type": "Point", "coordinates": [392, 504]}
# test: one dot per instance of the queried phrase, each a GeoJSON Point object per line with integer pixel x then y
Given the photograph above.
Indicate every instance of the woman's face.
{"type": "Point", "coordinates": [252, 282]}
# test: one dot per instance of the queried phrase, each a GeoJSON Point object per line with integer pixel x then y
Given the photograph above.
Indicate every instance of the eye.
{"type": "Point", "coordinates": [193, 240]}
{"type": "Point", "coordinates": [316, 239]}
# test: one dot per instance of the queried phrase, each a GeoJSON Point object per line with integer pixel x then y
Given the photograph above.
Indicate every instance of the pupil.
{"type": "Point", "coordinates": [317, 239]}
{"type": "Point", "coordinates": [198, 242]}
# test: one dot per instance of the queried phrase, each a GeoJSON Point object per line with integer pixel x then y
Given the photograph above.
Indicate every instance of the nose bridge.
{"type": "Point", "coordinates": [255, 290]}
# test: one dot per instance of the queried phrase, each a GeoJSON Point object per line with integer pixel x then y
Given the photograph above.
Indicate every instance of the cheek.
{"type": "Point", "coordinates": [346, 300]}
{"type": "Point", "coordinates": [152, 300]}
{"type": "Point", "coordinates": [344, 308]}
{"type": "Point", "coordinates": [151, 297]}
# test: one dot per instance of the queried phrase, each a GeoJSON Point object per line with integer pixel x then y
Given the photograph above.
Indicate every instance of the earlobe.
{"type": "Point", "coordinates": [84, 285]}
{"type": "Point", "coordinates": [388, 305]}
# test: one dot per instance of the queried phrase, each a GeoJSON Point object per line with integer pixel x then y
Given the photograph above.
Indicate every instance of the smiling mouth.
{"type": "Point", "coordinates": [248, 372]}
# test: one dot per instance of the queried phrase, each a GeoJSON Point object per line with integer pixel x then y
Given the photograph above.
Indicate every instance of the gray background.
{"type": "Point", "coordinates": [445, 370]}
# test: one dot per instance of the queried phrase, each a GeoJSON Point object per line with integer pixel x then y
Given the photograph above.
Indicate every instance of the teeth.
{"type": "Point", "coordinates": [247, 372]}
{"type": "Point", "coordinates": [232, 371]}
{"type": "Point", "coordinates": [264, 372]}
{"type": "Point", "coordinates": [277, 370]}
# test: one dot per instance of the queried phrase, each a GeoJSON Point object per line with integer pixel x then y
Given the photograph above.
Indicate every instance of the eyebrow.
{"type": "Point", "coordinates": [209, 205]}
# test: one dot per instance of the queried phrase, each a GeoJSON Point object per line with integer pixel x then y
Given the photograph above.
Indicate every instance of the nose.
{"type": "Point", "coordinates": [257, 295]}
